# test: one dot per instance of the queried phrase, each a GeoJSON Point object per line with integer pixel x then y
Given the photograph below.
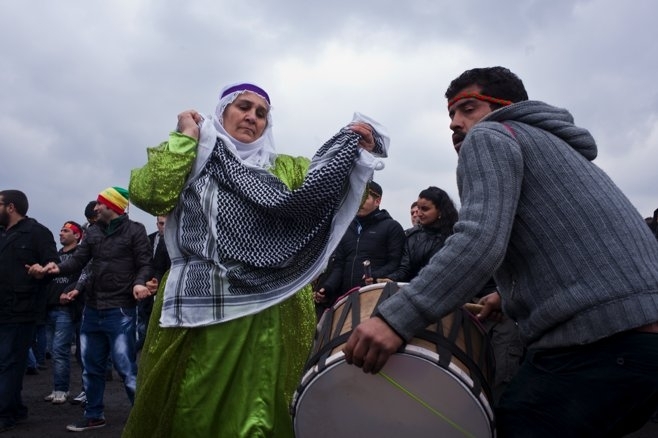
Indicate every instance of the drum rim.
{"type": "Point", "coordinates": [337, 359]}
{"type": "Point", "coordinates": [409, 350]}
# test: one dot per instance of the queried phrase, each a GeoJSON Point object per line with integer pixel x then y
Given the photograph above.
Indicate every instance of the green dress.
{"type": "Point", "coordinates": [233, 379]}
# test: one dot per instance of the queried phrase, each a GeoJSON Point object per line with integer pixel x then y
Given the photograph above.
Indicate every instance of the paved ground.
{"type": "Point", "coordinates": [46, 420]}
{"type": "Point", "coordinates": [49, 421]}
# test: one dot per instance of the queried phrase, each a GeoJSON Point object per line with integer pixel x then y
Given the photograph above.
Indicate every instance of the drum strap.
{"type": "Point", "coordinates": [352, 307]}
{"type": "Point", "coordinates": [389, 289]}
{"type": "Point", "coordinates": [446, 348]}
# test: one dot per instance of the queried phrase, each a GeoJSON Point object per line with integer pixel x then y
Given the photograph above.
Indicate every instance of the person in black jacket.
{"type": "Point", "coordinates": [62, 314]}
{"type": "Point", "coordinates": [120, 257]}
{"type": "Point", "coordinates": [24, 243]}
{"type": "Point", "coordinates": [372, 236]}
{"type": "Point", "coordinates": [161, 264]}
{"type": "Point", "coordinates": [436, 217]}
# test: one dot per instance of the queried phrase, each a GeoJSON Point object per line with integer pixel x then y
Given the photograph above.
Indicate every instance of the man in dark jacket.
{"type": "Point", "coordinates": [62, 314]}
{"type": "Point", "coordinates": [373, 236]}
{"type": "Point", "coordinates": [120, 267]}
{"type": "Point", "coordinates": [161, 264]}
{"type": "Point", "coordinates": [23, 242]}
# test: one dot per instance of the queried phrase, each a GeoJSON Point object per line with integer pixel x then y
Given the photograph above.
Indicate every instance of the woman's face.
{"type": "Point", "coordinates": [246, 118]}
{"type": "Point", "coordinates": [428, 213]}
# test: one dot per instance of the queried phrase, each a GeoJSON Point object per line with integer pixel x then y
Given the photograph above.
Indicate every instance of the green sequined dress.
{"type": "Point", "coordinates": [233, 379]}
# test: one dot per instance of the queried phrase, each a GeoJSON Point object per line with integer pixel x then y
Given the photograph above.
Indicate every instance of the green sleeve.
{"type": "Point", "coordinates": [291, 170]}
{"type": "Point", "coordinates": [155, 187]}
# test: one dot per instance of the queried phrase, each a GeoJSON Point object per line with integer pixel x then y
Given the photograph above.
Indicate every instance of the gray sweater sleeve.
{"type": "Point", "coordinates": [490, 173]}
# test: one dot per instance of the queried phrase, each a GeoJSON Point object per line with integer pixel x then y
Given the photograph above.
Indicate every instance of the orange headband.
{"type": "Point", "coordinates": [73, 228]}
{"type": "Point", "coordinates": [478, 96]}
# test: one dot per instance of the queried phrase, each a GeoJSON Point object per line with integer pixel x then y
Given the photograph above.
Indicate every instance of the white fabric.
{"type": "Point", "coordinates": [219, 304]}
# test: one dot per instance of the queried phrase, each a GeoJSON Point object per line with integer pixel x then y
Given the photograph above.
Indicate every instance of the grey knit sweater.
{"type": "Point", "coordinates": [573, 259]}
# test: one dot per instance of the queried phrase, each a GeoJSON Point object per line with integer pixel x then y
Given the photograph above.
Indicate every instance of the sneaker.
{"type": "Point", "coordinates": [60, 397]}
{"type": "Point", "coordinates": [49, 397]}
{"type": "Point", "coordinates": [81, 398]}
{"type": "Point", "coordinates": [86, 424]}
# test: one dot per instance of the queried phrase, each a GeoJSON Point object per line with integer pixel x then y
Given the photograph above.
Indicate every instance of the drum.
{"type": "Point", "coordinates": [437, 385]}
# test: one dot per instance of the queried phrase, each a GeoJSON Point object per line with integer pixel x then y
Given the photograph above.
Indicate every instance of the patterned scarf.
{"type": "Point", "coordinates": [246, 242]}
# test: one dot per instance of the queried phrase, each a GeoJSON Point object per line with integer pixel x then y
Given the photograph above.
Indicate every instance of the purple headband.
{"type": "Point", "coordinates": [246, 87]}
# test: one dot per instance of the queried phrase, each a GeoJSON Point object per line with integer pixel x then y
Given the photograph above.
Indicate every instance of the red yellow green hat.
{"type": "Point", "coordinates": [115, 198]}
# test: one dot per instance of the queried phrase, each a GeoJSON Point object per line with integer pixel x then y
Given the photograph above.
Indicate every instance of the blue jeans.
{"type": "Point", "coordinates": [605, 389]}
{"type": "Point", "coordinates": [16, 341]}
{"type": "Point", "coordinates": [144, 309]}
{"type": "Point", "coordinates": [40, 344]}
{"type": "Point", "coordinates": [31, 358]}
{"type": "Point", "coordinates": [102, 333]}
{"type": "Point", "coordinates": [60, 327]}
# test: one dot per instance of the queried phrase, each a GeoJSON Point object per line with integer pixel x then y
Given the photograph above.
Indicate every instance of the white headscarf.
{"type": "Point", "coordinates": [261, 152]}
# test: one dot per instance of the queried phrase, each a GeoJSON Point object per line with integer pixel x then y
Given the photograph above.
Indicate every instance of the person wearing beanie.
{"type": "Point", "coordinates": [114, 198]}
{"type": "Point", "coordinates": [119, 271]}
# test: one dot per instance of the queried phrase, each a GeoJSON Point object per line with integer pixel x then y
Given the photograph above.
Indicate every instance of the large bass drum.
{"type": "Point", "coordinates": [436, 386]}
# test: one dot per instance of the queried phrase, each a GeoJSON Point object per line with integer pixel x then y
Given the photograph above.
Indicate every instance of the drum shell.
{"type": "Point", "coordinates": [457, 344]}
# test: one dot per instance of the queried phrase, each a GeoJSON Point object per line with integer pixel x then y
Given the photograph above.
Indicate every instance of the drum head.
{"type": "Point", "coordinates": [411, 397]}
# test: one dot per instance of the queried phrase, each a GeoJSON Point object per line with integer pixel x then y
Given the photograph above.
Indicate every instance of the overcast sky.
{"type": "Point", "coordinates": [87, 86]}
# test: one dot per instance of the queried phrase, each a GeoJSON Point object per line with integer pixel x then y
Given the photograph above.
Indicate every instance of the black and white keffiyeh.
{"type": "Point", "coordinates": [243, 241]}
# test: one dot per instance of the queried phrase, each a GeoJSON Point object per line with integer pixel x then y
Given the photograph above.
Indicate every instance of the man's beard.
{"type": "Point", "coordinates": [4, 219]}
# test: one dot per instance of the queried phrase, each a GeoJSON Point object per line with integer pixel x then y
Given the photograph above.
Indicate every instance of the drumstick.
{"type": "Point", "coordinates": [474, 308]}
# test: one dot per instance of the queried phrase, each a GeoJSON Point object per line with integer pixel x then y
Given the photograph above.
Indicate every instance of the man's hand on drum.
{"type": "Point", "coordinates": [371, 344]}
{"type": "Point", "coordinates": [319, 296]}
{"type": "Point", "coordinates": [492, 307]}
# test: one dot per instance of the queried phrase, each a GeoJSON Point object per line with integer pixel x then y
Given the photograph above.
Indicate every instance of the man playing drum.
{"type": "Point", "coordinates": [575, 264]}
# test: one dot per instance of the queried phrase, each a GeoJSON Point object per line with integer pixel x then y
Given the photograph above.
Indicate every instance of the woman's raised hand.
{"type": "Point", "coordinates": [367, 141]}
{"type": "Point", "coordinates": [188, 123]}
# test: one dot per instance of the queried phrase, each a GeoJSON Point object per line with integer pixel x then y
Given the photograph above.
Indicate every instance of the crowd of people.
{"type": "Point", "coordinates": [563, 267]}
{"type": "Point", "coordinates": [84, 294]}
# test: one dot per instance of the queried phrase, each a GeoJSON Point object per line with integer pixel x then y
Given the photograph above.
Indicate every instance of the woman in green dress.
{"type": "Point", "coordinates": [247, 230]}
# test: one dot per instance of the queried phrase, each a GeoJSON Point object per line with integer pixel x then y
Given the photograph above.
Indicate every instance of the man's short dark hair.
{"type": "Point", "coordinates": [498, 82]}
{"type": "Point", "coordinates": [17, 198]}
{"type": "Point", "coordinates": [375, 189]}
{"type": "Point", "coordinates": [89, 210]}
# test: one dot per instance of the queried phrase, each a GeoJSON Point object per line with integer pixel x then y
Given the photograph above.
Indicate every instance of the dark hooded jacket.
{"type": "Point", "coordinates": [376, 237]}
{"type": "Point", "coordinates": [120, 257]}
{"type": "Point", "coordinates": [421, 244]}
{"type": "Point", "coordinates": [22, 297]}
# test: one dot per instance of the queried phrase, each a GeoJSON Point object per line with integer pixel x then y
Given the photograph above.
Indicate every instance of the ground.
{"type": "Point", "coordinates": [48, 420]}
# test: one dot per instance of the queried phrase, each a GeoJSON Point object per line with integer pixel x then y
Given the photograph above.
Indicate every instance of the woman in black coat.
{"type": "Point", "coordinates": [436, 215]}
